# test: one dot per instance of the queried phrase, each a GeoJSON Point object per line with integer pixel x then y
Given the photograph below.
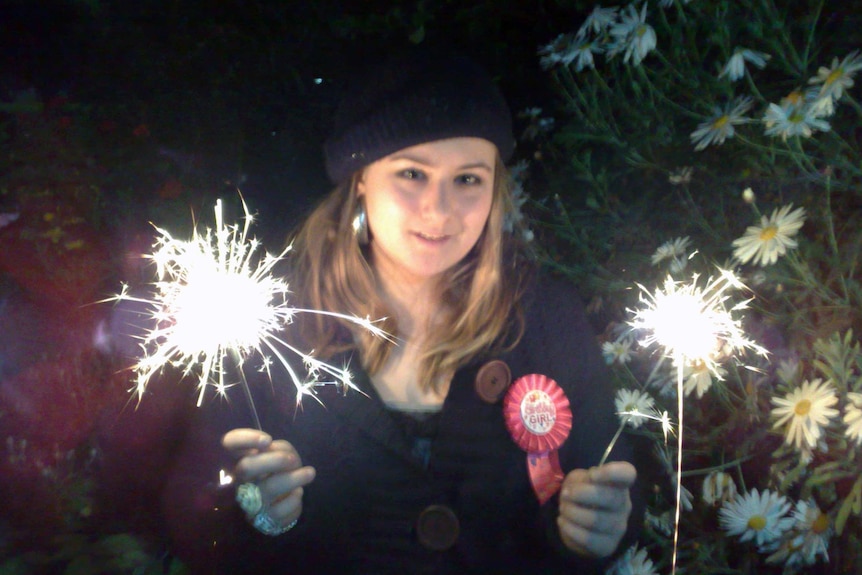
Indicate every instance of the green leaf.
{"type": "Point", "coordinates": [853, 502]}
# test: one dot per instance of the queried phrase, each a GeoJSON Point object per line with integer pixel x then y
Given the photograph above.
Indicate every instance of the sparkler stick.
{"type": "Point", "coordinates": [625, 418]}
{"type": "Point", "coordinates": [692, 323]}
{"type": "Point", "coordinates": [217, 301]}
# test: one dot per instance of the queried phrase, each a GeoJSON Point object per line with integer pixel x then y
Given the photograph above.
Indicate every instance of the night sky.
{"type": "Point", "coordinates": [243, 90]}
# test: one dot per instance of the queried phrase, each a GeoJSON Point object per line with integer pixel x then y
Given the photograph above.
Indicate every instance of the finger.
{"type": "Point", "coordinates": [284, 445]}
{"type": "Point", "coordinates": [596, 496]}
{"type": "Point", "coordinates": [612, 522]}
{"type": "Point", "coordinates": [586, 542]}
{"type": "Point", "coordinates": [287, 509]}
{"type": "Point", "coordinates": [620, 473]}
{"type": "Point", "coordinates": [259, 466]}
{"type": "Point", "coordinates": [282, 485]}
{"type": "Point", "coordinates": [577, 476]}
{"type": "Point", "coordinates": [245, 440]}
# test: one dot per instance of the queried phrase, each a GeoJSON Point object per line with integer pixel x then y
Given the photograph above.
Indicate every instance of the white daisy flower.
{"type": "Point", "coordinates": [698, 377]}
{"type": "Point", "coordinates": [838, 77]}
{"type": "Point", "coordinates": [661, 523]}
{"type": "Point", "coordinates": [853, 417]}
{"type": "Point", "coordinates": [681, 176]}
{"type": "Point", "coordinates": [720, 126]}
{"type": "Point", "coordinates": [788, 371]}
{"type": "Point", "coordinates": [556, 52]}
{"type": "Point", "coordinates": [819, 106]}
{"type": "Point", "coordinates": [598, 21]}
{"type": "Point", "coordinates": [671, 249]}
{"type": "Point", "coordinates": [662, 378]}
{"type": "Point", "coordinates": [631, 401]}
{"type": "Point", "coordinates": [582, 54]}
{"type": "Point", "coordinates": [735, 67]}
{"type": "Point", "coordinates": [814, 528]}
{"type": "Point", "coordinates": [515, 217]}
{"type": "Point", "coordinates": [793, 118]}
{"type": "Point", "coordinates": [718, 487]}
{"type": "Point", "coordinates": [686, 498]}
{"type": "Point", "coordinates": [633, 562]}
{"type": "Point", "coordinates": [758, 517]}
{"type": "Point", "coordinates": [617, 351]}
{"type": "Point", "coordinates": [765, 243]}
{"type": "Point", "coordinates": [788, 553]}
{"type": "Point", "coordinates": [633, 35]}
{"type": "Point", "coordinates": [808, 538]}
{"type": "Point", "coordinates": [805, 410]}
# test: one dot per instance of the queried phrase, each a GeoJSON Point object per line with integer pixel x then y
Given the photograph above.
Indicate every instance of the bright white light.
{"type": "Point", "coordinates": [693, 322]}
{"type": "Point", "coordinates": [216, 299]}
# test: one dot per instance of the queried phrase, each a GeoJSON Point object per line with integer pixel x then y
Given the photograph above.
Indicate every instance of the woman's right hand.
{"type": "Point", "coordinates": [275, 467]}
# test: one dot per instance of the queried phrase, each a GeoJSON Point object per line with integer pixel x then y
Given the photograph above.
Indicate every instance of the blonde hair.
{"type": "Point", "coordinates": [481, 296]}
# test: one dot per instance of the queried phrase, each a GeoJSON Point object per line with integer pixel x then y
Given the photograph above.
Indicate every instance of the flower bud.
{"type": "Point", "coordinates": [718, 487]}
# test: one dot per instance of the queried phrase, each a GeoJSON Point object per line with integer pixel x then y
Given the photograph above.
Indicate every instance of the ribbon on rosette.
{"type": "Point", "coordinates": [539, 417]}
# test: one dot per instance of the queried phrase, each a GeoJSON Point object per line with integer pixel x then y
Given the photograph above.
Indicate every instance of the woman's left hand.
{"type": "Point", "coordinates": [595, 505]}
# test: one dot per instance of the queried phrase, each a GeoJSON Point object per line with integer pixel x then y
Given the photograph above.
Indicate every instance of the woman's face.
{"type": "Point", "coordinates": [427, 205]}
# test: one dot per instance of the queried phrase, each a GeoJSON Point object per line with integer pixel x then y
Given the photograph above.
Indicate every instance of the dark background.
{"type": "Point", "coordinates": [240, 92]}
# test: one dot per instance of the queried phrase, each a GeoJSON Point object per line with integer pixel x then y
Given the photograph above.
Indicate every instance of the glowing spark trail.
{"type": "Point", "coordinates": [216, 298]}
{"type": "Point", "coordinates": [626, 417]}
{"type": "Point", "coordinates": [693, 323]}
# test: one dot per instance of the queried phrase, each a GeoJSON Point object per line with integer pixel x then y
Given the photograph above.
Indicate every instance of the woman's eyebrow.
{"type": "Point", "coordinates": [425, 162]}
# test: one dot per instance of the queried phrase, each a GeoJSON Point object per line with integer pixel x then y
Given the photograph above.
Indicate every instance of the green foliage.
{"type": "Point", "coordinates": [665, 139]}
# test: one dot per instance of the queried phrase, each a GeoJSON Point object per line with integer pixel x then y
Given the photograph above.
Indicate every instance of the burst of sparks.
{"type": "Point", "coordinates": [216, 300]}
{"type": "Point", "coordinates": [693, 323]}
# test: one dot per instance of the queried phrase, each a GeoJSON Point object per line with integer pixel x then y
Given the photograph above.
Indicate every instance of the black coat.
{"type": "Point", "coordinates": [377, 472]}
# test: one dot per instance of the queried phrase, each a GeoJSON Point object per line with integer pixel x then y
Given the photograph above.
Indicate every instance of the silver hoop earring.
{"type": "Point", "coordinates": [360, 223]}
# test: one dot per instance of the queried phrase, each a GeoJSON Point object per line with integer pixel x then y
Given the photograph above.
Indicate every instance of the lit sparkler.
{"type": "Point", "coordinates": [626, 417]}
{"type": "Point", "coordinates": [693, 323]}
{"type": "Point", "coordinates": [215, 301]}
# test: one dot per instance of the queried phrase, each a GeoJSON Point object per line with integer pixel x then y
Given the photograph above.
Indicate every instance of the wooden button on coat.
{"type": "Point", "coordinates": [492, 380]}
{"type": "Point", "coordinates": [437, 528]}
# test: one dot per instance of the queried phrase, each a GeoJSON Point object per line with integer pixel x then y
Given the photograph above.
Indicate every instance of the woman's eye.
{"type": "Point", "coordinates": [469, 180]}
{"type": "Point", "coordinates": [411, 174]}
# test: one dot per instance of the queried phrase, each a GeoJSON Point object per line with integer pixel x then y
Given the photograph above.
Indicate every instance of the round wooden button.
{"type": "Point", "coordinates": [437, 528]}
{"type": "Point", "coordinates": [492, 380]}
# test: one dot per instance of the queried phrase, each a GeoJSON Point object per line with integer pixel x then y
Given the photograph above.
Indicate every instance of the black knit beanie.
{"type": "Point", "coordinates": [418, 97]}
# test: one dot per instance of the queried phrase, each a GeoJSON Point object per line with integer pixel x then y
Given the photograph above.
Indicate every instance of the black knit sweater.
{"type": "Point", "coordinates": [376, 474]}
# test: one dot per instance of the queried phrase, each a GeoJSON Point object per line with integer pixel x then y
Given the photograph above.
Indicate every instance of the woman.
{"type": "Point", "coordinates": [421, 472]}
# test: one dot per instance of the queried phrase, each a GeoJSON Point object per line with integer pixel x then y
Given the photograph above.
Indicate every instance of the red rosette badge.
{"type": "Point", "coordinates": [539, 417]}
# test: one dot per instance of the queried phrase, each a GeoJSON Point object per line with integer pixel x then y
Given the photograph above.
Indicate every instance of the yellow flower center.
{"type": "Point", "coordinates": [803, 407]}
{"type": "Point", "coordinates": [768, 232]}
{"type": "Point", "coordinates": [757, 522]}
{"type": "Point", "coordinates": [641, 31]}
{"type": "Point", "coordinates": [795, 98]}
{"type": "Point", "coordinates": [699, 366]}
{"type": "Point", "coordinates": [820, 524]}
{"type": "Point", "coordinates": [833, 76]}
{"type": "Point", "coordinates": [796, 118]}
{"type": "Point", "coordinates": [721, 122]}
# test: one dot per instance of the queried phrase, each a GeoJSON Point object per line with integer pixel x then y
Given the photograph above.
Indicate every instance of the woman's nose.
{"type": "Point", "coordinates": [435, 200]}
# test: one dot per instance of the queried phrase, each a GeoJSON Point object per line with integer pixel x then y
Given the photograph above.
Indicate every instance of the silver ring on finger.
{"type": "Point", "coordinates": [249, 498]}
{"type": "Point", "coordinates": [264, 523]}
